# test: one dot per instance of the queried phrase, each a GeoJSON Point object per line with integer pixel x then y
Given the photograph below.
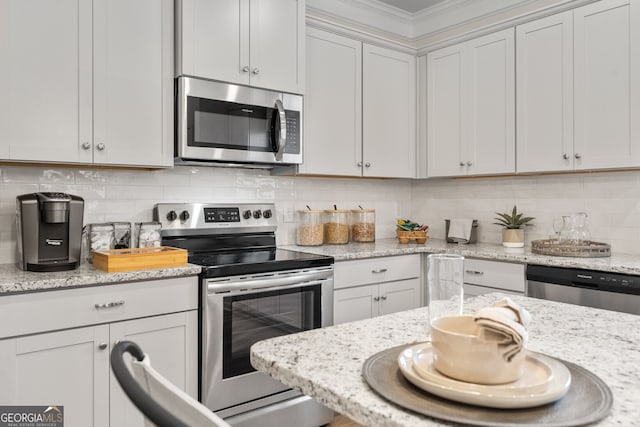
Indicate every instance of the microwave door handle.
{"type": "Point", "coordinates": [281, 134]}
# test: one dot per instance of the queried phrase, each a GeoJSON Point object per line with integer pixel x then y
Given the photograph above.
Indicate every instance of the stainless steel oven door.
{"type": "Point", "coordinates": [241, 310]}
{"type": "Point", "coordinates": [221, 122]}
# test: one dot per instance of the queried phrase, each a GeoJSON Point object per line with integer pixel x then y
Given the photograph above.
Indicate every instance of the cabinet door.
{"type": "Point", "coordinates": [356, 303]}
{"type": "Point", "coordinates": [171, 341]}
{"type": "Point", "coordinates": [389, 106]}
{"type": "Point", "coordinates": [68, 368]}
{"type": "Point", "coordinates": [445, 88]}
{"type": "Point", "coordinates": [607, 79]}
{"type": "Point", "coordinates": [133, 83]}
{"type": "Point", "coordinates": [276, 44]}
{"type": "Point", "coordinates": [400, 296]}
{"type": "Point", "coordinates": [544, 91]}
{"type": "Point", "coordinates": [333, 105]}
{"type": "Point", "coordinates": [45, 80]}
{"type": "Point", "coordinates": [214, 39]}
{"type": "Point", "coordinates": [489, 125]}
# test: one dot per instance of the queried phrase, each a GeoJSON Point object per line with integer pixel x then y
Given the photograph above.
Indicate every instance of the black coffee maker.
{"type": "Point", "coordinates": [49, 231]}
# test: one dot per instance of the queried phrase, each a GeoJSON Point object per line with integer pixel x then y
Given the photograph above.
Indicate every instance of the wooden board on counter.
{"type": "Point", "coordinates": [117, 260]}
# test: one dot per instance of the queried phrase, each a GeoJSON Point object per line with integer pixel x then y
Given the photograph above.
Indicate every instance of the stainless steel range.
{"type": "Point", "coordinates": [249, 291]}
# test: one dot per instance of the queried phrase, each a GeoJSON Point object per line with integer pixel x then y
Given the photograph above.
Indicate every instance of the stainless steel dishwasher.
{"type": "Point", "coordinates": [599, 289]}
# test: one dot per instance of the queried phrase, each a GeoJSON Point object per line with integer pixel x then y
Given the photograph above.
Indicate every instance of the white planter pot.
{"type": "Point", "coordinates": [513, 237]}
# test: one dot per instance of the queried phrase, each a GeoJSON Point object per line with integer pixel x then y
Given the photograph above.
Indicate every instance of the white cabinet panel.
{"type": "Point", "coordinates": [333, 105]}
{"type": "Point", "coordinates": [545, 94]}
{"type": "Point", "coordinates": [607, 45]}
{"type": "Point", "coordinates": [389, 118]}
{"type": "Point", "coordinates": [495, 274]}
{"type": "Point", "coordinates": [357, 303]}
{"type": "Point", "coordinates": [399, 296]}
{"type": "Point", "coordinates": [376, 270]}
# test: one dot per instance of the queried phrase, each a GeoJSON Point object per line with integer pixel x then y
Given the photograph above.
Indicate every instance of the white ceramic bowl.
{"type": "Point", "coordinates": [459, 354]}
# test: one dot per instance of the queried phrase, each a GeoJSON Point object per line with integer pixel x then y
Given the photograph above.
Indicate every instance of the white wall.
{"type": "Point", "coordinates": [611, 199]}
{"type": "Point", "coordinates": [118, 195]}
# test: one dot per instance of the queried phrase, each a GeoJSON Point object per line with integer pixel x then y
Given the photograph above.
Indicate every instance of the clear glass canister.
{"type": "Point", "coordinates": [363, 225]}
{"type": "Point", "coordinates": [309, 228]}
{"type": "Point", "coordinates": [122, 235]}
{"type": "Point", "coordinates": [99, 237]}
{"type": "Point", "coordinates": [336, 227]}
{"type": "Point", "coordinates": [148, 234]}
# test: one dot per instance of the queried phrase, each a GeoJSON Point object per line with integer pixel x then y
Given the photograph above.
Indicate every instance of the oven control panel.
{"type": "Point", "coordinates": [209, 217]}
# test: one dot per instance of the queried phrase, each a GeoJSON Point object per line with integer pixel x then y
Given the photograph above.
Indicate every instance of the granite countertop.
{"type": "Point", "coordinates": [617, 262]}
{"type": "Point", "coordinates": [327, 363]}
{"type": "Point", "coordinates": [13, 280]}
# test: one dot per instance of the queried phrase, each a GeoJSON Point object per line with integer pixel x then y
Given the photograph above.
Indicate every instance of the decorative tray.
{"type": "Point", "coordinates": [588, 399]}
{"type": "Point", "coordinates": [117, 260]}
{"type": "Point", "coordinates": [589, 249]}
{"type": "Point", "coordinates": [417, 236]}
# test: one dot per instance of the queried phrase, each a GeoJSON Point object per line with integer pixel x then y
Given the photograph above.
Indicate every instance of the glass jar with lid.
{"type": "Point", "coordinates": [309, 229]}
{"type": "Point", "coordinates": [363, 225]}
{"type": "Point", "coordinates": [148, 234]}
{"type": "Point", "coordinates": [336, 227]}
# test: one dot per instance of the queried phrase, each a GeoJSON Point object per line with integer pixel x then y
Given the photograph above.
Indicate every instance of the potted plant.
{"type": "Point", "coordinates": [513, 231]}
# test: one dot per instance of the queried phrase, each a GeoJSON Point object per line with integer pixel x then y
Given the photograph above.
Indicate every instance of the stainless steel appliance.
{"type": "Point", "coordinates": [223, 123]}
{"type": "Point", "coordinates": [249, 291]}
{"type": "Point", "coordinates": [610, 291]}
{"type": "Point", "coordinates": [49, 231]}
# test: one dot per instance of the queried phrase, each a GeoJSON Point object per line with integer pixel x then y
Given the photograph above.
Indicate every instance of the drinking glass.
{"type": "Point", "coordinates": [444, 285]}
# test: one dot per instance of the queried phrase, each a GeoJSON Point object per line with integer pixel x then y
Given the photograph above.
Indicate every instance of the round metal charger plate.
{"type": "Point", "coordinates": [588, 399]}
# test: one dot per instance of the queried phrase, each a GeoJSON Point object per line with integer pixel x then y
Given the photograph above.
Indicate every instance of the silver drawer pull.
{"type": "Point", "coordinates": [382, 270]}
{"type": "Point", "coordinates": [103, 346]}
{"type": "Point", "coordinates": [110, 304]}
{"type": "Point", "coordinates": [383, 298]}
{"type": "Point", "coordinates": [376, 298]}
{"type": "Point", "coordinates": [474, 272]}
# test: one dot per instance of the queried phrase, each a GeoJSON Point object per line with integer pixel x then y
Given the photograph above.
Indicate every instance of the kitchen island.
{"type": "Point", "coordinates": [327, 363]}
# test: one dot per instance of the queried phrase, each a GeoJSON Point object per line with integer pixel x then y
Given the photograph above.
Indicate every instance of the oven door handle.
{"type": "Point", "coordinates": [280, 130]}
{"type": "Point", "coordinates": [273, 282]}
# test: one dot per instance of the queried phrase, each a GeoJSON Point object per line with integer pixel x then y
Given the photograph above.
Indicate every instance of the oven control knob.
{"type": "Point", "coordinates": [172, 216]}
{"type": "Point", "coordinates": [184, 215]}
{"type": "Point", "coordinates": [246, 214]}
{"type": "Point", "coordinates": [267, 214]}
{"type": "Point", "coordinates": [257, 214]}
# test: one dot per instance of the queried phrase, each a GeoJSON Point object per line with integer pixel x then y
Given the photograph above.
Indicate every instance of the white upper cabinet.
{"type": "Point", "coordinates": [545, 94]}
{"type": "Point", "coordinates": [359, 109]}
{"type": "Point", "coordinates": [389, 113]}
{"type": "Point", "coordinates": [607, 84]}
{"type": "Point", "coordinates": [250, 42]}
{"type": "Point", "coordinates": [87, 82]}
{"type": "Point", "coordinates": [471, 107]}
{"type": "Point", "coordinates": [578, 89]}
{"type": "Point", "coordinates": [333, 105]}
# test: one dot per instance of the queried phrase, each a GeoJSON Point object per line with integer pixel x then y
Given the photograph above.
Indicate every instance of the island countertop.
{"type": "Point", "coordinates": [327, 363]}
{"type": "Point", "coordinates": [616, 263]}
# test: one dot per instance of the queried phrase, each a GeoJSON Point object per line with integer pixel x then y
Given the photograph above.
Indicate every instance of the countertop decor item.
{"type": "Point", "coordinates": [587, 249]}
{"type": "Point", "coordinates": [513, 231]}
{"type": "Point", "coordinates": [116, 260]}
{"type": "Point", "coordinates": [407, 230]}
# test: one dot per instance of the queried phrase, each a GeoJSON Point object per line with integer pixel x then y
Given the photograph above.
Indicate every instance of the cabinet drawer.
{"type": "Point", "coordinates": [376, 270]}
{"type": "Point", "coordinates": [499, 275]}
{"type": "Point", "coordinates": [68, 308]}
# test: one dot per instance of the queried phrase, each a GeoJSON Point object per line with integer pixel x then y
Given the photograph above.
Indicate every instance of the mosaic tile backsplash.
{"type": "Point", "coordinates": [612, 199]}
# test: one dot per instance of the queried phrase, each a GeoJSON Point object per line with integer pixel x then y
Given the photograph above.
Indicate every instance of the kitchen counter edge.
{"type": "Point", "coordinates": [617, 262]}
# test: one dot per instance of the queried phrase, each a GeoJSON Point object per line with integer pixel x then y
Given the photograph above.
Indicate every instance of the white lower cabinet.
{"type": "Point", "coordinates": [372, 287]}
{"type": "Point", "coordinates": [482, 277]}
{"type": "Point", "coordinates": [71, 367]}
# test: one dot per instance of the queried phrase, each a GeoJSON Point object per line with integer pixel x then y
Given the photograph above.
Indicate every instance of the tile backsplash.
{"type": "Point", "coordinates": [612, 199]}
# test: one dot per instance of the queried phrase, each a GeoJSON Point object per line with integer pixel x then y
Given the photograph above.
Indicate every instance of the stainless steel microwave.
{"type": "Point", "coordinates": [230, 124]}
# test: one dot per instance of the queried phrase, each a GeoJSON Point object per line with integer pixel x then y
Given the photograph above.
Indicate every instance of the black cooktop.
{"type": "Point", "coordinates": [233, 263]}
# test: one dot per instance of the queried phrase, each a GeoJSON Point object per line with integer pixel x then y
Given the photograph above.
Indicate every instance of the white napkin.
{"type": "Point", "coordinates": [460, 229]}
{"type": "Point", "coordinates": [504, 322]}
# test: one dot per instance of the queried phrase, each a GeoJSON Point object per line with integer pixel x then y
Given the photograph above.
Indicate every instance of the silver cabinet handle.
{"type": "Point", "coordinates": [256, 71]}
{"type": "Point", "coordinates": [367, 165]}
{"type": "Point", "coordinates": [245, 69]}
{"type": "Point", "coordinates": [109, 304]}
{"type": "Point", "coordinates": [469, 163]}
{"type": "Point", "coordinates": [86, 145]}
{"type": "Point", "coordinates": [474, 272]}
{"type": "Point", "coordinates": [359, 164]}
{"type": "Point", "coordinates": [282, 135]}
{"type": "Point", "coordinates": [565, 156]}
{"type": "Point", "coordinates": [376, 298]}
{"type": "Point", "coordinates": [100, 146]}
{"type": "Point", "coordinates": [103, 346]}
{"type": "Point", "coordinates": [461, 163]}
{"type": "Point", "coordinates": [381, 270]}
{"type": "Point", "coordinates": [578, 156]}
{"type": "Point", "coordinates": [383, 298]}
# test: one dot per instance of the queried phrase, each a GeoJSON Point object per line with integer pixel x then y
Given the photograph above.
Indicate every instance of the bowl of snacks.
{"type": "Point", "coordinates": [409, 231]}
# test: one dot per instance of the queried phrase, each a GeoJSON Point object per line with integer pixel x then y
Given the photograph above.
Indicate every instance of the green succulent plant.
{"type": "Point", "coordinates": [513, 220]}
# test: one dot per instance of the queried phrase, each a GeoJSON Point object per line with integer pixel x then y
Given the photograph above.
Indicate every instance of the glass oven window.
{"type": "Point", "coordinates": [250, 318]}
